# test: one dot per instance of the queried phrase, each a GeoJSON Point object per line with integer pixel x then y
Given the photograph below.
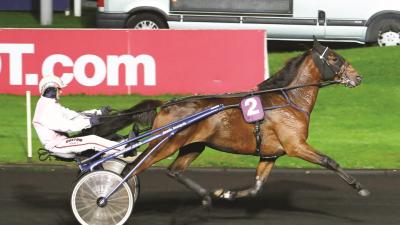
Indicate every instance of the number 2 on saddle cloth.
{"type": "Point", "coordinates": [252, 109]}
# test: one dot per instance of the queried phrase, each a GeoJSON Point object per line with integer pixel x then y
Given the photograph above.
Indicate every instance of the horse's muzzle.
{"type": "Point", "coordinates": [358, 80]}
{"type": "Point", "coordinates": [348, 82]}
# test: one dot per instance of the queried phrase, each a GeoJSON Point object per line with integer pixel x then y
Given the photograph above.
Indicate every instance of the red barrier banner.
{"type": "Point", "coordinates": [147, 62]}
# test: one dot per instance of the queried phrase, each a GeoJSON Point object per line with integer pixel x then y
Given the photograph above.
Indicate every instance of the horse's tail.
{"type": "Point", "coordinates": [145, 112]}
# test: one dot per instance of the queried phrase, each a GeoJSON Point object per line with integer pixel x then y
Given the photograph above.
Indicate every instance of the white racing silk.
{"type": "Point", "coordinates": [53, 122]}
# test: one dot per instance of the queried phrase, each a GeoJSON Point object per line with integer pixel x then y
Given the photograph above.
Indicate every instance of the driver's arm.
{"type": "Point", "coordinates": [65, 120]}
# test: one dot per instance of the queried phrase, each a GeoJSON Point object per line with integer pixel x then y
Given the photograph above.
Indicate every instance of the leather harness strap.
{"type": "Point", "coordinates": [257, 133]}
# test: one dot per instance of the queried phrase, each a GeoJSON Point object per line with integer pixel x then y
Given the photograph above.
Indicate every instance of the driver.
{"type": "Point", "coordinates": [53, 123]}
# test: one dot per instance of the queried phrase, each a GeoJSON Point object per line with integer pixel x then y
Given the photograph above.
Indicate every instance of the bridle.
{"type": "Point", "coordinates": [327, 69]}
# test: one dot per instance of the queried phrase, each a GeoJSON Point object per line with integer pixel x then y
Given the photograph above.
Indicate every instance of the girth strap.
{"type": "Point", "coordinates": [257, 134]}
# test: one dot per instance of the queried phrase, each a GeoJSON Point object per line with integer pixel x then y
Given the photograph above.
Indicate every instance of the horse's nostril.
{"type": "Point", "coordinates": [359, 78]}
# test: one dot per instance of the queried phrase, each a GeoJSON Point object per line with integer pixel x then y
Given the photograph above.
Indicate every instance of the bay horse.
{"type": "Point", "coordinates": [283, 131]}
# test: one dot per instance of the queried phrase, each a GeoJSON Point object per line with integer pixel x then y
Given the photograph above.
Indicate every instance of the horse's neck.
{"type": "Point", "coordinates": [305, 97]}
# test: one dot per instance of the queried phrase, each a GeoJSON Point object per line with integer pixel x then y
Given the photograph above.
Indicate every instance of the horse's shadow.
{"type": "Point", "coordinates": [275, 197]}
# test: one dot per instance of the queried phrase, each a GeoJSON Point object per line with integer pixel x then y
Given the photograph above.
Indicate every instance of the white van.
{"type": "Point", "coordinates": [359, 21]}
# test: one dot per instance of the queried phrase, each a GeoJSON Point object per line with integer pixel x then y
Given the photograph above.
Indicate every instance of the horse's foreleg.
{"type": "Point", "coordinates": [186, 155]}
{"type": "Point", "coordinates": [329, 163]}
{"type": "Point", "coordinates": [307, 153]}
{"type": "Point", "coordinates": [263, 170]}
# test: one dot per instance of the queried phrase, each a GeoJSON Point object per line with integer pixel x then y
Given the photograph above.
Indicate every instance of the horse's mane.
{"type": "Point", "coordinates": [283, 77]}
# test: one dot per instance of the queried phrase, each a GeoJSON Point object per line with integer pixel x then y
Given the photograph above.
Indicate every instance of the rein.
{"type": "Point", "coordinates": [119, 113]}
{"type": "Point", "coordinates": [320, 85]}
{"type": "Point", "coordinates": [290, 103]}
{"type": "Point", "coordinates": [242, 95]}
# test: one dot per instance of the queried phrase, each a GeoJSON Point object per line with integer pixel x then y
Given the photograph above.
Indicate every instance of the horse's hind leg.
{"type": "Point", "coordinates": [307, 153]}
{"type": "Point", "coordinates": [263, 170]}
{"type": "Point", "coordinates": [146, 159]}
{"type": "Point", "coordinates": [186, 155]}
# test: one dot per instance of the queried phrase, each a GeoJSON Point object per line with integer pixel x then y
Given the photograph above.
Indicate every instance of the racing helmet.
{"type": "Point", "coordinates": [50, 81]}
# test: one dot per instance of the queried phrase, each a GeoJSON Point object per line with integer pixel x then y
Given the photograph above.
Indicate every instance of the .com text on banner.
{"type": "Point", "coordinates": [132, 61]}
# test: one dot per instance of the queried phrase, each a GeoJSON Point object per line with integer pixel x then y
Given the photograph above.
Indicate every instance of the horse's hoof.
{"type": "Point", "coordinates": [221, 193]}
{"type": "Point", "coordinates": [364, 192]}
{"type": "Point", "coordinates": [206, 201]}
{"type": "Point", "coordinates": [218, 193]}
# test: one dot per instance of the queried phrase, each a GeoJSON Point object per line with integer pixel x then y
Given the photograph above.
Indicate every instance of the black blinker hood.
{"type": "Point", "coordinates": [320, 55]}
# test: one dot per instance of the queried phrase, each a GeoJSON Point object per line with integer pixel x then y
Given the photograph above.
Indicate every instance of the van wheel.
{"type": "Point", "coordinates": [146, 21]}
{"type": "Point", "coordinates": [386, 32]}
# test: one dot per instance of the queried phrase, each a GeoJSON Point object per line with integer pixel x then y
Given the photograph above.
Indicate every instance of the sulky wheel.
{"type": "Point", "coordinates": [114, 165]}
{"type": "Point", "coordinates": [91, 188]}
{"type": "Point", "coordinates": [117, 166]}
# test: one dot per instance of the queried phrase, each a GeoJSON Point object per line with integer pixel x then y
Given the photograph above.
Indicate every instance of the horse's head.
{"type": "Point", "coordinates": [334, 67]}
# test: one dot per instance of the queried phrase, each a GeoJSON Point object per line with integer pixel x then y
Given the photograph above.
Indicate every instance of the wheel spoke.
{"type": "Point", "coordinates": [89, 214]}
{"type": "Point", "coordinates": [86, 189]}
{"type": "Point", "coordinates": [119, 205]}
{"type": "Point", "coordinates": [118, 213]}
{"type": "Point", "coordinates": [119, 198]}
{"type": "Point", "coordinates": [85, 206]}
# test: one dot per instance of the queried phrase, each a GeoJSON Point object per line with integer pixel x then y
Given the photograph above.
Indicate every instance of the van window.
{"type": "Point", "coordinates": [233, 6]}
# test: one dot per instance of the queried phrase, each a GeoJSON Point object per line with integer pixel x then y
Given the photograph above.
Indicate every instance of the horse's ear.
{"type": "Point", "coordinates": [316, 43]}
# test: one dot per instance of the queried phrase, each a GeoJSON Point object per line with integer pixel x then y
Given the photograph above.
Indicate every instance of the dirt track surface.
{"type": "Point", "coordinates": [41, 196]}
